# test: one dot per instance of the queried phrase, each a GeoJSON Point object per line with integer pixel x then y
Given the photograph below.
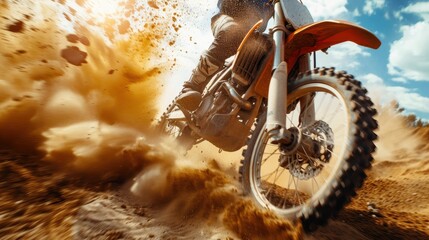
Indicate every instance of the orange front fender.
{"type": "Point", "coordinates": [314, 37]}
{"type": "Point", "coordinates": [324, 34]}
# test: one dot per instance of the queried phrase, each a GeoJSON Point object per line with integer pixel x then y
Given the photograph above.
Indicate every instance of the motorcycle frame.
{"type": "Point", "coordinates": [295, 36]}
{"type": "Point", "coordinates": [293, 45]}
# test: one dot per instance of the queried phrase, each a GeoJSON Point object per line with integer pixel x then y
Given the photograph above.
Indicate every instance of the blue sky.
{"type": "Point", "coordinates": [398, 70]}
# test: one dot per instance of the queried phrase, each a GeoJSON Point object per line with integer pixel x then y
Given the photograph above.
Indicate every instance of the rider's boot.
{"type": "Point", "coordinates": [191, 94]}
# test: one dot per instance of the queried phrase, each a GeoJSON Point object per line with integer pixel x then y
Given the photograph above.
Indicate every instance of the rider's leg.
{"type": "Point", "coordinates": [228, 34]}
{"type": "Point", "coordinates": [192, 89]}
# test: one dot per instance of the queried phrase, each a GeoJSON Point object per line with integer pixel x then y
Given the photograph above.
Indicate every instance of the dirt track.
{"type": "Point", "coordinates": [37, 202]}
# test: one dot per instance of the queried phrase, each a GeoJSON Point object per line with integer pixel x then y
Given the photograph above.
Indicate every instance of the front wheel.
{"type": "Point", "coordinates": [316, 177]}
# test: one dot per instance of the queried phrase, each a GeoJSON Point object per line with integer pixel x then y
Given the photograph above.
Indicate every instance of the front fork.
{"type": "Point", "coordinates": [277, 93]}
{"type": "Point", "coordinates": [308, 113]}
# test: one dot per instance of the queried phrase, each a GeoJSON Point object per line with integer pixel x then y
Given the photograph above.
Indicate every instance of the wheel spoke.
{"type": "Point", "coordinates": [296, 192]}
{"type": "Point", "coordinates": [328, 108]}
{"type": "Point", "coordinates": [270, 154]}
{"type": "Point", "coordinates": [314, 182]}
{"type": "Point", "coordinates": [267, 176]}
{"type": "Point", "coordinates": [321, 103]}
{"type": "Point", "coordinates": [334, 114]}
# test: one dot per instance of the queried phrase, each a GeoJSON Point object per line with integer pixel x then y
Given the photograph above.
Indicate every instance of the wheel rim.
{"type": "Point", "coordinates": [277, 188]}
{"type": "Point", "coordinates": [170, 126]}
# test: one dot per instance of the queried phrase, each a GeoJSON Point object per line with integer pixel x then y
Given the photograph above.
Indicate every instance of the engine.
{"type": "Point", "coordinates": [224, 114]}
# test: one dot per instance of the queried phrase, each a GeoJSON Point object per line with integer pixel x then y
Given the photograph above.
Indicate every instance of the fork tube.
{"type": "Point", "coordinates": [276, 109]}
{"type": "Point", "coordinates": [278, 34]}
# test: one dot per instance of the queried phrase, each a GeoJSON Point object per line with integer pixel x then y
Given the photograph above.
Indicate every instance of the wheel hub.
{"type": "Point", "coordinates": [311, 148]}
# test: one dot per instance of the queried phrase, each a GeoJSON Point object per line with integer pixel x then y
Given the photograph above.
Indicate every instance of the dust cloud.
{"type": "Point", "coordinates": [67, 83]}
{"type": "Point", "coordinates": [206, 194]}
{"type": "Point", "coordinates": [80, 90]}
{"type": "Point", "coordinates": [403, 145]}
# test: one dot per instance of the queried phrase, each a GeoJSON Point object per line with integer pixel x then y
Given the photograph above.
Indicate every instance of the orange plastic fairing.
{"type": "Point", "coordinates": [318, 36]}
{"type": "Point", "coordinates": [324, 34]}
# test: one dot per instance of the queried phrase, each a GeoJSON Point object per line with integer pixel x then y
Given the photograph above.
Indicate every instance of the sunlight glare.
{"type": "Point", "coordinates": [102, 8]}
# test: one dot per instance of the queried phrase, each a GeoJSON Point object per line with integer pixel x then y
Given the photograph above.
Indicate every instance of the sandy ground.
{"type": "Point", "coordinates": [37, 202]}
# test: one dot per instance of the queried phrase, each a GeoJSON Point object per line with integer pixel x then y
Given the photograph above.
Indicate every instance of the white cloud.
{"type": "Point", "coordinates": [409, 99]}
{"type": "Point", "coordinates": [398, 15]}
{"type": "Point", "coordinates": [372, 80]}
{"type": "Point", "coordinates": [409, 55]}
{"type": "Point", "coordinates": [326, 9]}
{"type": "Point", "coordinates": [380, 34]}
{"type": "Point", "coordinates": [419, 8]}
{"type": "Point", "coordinates": [356, 13]}
{"type": "Point", "coordinates": [387, 15]}
{"type": "Point", "coordinates": [400, 79]}
{"type": "Point", "coordinates": [372, 5]}
{"type": "Point", "coordinates": [382, 93]}
{"type": "Point", "coordinates": [344, 56]}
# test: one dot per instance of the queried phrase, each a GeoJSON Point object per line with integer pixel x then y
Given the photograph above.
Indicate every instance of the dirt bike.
{"type": "Point", "coordinates": [311, 130]}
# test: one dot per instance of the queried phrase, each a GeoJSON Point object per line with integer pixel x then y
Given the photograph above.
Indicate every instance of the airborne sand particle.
{"type": "Point", "coordinates": [67, 17]}
{"type": "Point", "coordinates": [20, 52]}
{"type": "Point", "coordinates": [73, 38]}
{"type": "Point", "coordinates": [80, 2]}
{"type": "Point", "coordinates": [74, 55]}
{"type": "Point", "coordinates": [124, 27]}
{"type": "Point", "coordinates": [152, 4]}
{"type": "Point", "coordinates": [16, 27]}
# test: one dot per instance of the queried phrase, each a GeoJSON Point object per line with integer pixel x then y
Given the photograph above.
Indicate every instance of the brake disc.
{"type": "Point", "coordinates": [315, 149]}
